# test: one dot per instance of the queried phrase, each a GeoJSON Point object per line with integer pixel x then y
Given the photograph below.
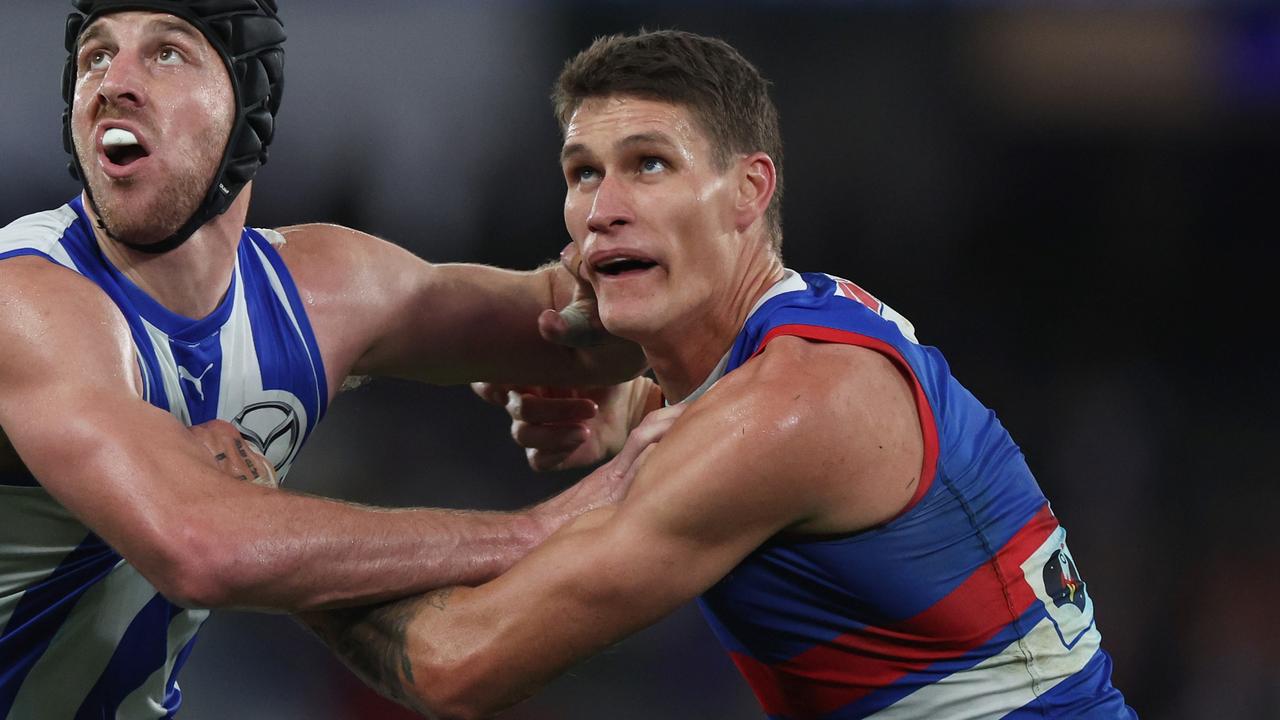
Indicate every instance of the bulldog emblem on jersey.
{"type": "Point", "coordinates": [1062, 580]}
{"type": "Point", "coordinates": [1052, 574]}
{"type": "Point", "coordinates": [275, 427]}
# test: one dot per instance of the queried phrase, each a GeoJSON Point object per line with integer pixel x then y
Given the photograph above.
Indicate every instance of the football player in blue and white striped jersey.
{"type": "Point", "coordinates": [144, 306]}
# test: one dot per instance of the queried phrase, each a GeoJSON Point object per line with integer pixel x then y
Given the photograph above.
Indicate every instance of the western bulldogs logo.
{"type": "Point", "coordinates": [274, 428]}
{"type": "Point", "coordinates": [1052, 574]}
{"type": "Point", "coordinates": [1062, 580]}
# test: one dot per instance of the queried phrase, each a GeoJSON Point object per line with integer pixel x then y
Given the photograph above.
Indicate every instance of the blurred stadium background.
{"type": "Point", "coordinates": [1075, 201]}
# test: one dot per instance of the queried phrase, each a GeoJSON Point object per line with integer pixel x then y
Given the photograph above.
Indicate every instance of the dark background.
{"type": "Point", "coordinates": [1073, 202]}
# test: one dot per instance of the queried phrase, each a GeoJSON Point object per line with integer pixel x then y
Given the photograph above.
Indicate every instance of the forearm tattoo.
{"type": "Point", "coordinates": [372, 641]}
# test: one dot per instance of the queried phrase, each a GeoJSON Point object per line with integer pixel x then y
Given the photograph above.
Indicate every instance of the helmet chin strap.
{"type": "Point", "coordinates": [170, 243]}
{"type": "Point", "coordinates": [202, 215]}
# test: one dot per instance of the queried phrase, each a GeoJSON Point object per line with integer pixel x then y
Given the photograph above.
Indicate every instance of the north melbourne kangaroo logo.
{"type": "Point", "coordinates": [185, 374]}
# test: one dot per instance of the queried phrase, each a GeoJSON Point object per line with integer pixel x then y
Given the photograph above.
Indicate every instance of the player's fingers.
{"type": "Point", "coordinates": [543, 405]}
{"type": "Point", "coordinates": [250, 465]}
{"type": "Point", "coordinates": [541, 460]}
{"type": "Point", "coordinates": [571, 259]}
{"type": "Point", "coordinates": [206, 439]}
{"type": "Point", "coordinates": [245, 462]}
{"type": "Point", "coordinates": [215, 431]}
{"type": "Point", "coordinates": [549, 438]}
{"type": "Point", "coordinates": [656, 423]}
{"type": "Point", "coordinates": [216, 436]}
{"type": "Point", "coordinates": [539, 409]}
{"type": "Point", "coordinates": [234, 455]}
{"type": "Point", "coordinates": [649, 431]}
{"type": "Point", "coordinates": [573, 326]}
{"type": "Point", "coordinates": [490, 392]}
{"type": "Point", "coordinates": [496, 393]}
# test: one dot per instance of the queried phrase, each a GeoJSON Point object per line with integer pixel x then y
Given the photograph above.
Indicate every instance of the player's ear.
{"type": "Point", "coordinates": [757, 180]}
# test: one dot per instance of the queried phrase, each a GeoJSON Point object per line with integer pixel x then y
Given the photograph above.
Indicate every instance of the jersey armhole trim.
{"type": "Point", "coordinates": [28, 251]}
{"type": "Point", "coordinates": [928, 424]}
{"type": "Point", "coordinates": [275, 238]}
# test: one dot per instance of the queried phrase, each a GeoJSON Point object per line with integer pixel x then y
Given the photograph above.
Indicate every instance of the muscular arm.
{"type": "Point", "coordinates": [805, 438]}
{"type": "Point", "coordinates": [70, 405]}
{"type": "Point", "coordinates": [380, 310]}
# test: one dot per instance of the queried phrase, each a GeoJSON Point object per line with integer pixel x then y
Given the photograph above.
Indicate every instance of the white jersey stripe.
{"type": "Point", "coordinates": [169, 378]}
{"type": "Point", "coordinates": [41, 232]}
{"type": "Point", "coordinates": [69, 668]}
{"type": "Point", "coordinates": [238, 351]}
{"type": "Point", "coordinates": [7, 605]}
{"type": "Point", "coordinates": [1000, 682]}
{"type": "Point", "coordinates": [142, 703]}
{"type": "Point", "coordinates": [60, 255]}
{"type": "Point", "coordinates": [29, 512]}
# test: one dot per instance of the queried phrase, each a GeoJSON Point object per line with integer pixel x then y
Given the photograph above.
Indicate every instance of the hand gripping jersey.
{"type": "Point", "coordinates": [966, 605]}
{"type": "Point", "coordinates": [82, 634]}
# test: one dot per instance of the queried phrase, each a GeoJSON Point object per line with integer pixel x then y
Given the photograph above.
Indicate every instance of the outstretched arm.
{"type": "Point", "coordinates": [70, 405]}
{"type": "Point", "coordinates": [380, 310]}
{"type": "Point", "coordinates": [804, 439]}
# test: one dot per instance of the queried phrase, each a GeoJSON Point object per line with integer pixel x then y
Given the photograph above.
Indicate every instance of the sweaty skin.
{"type": "Point", "coordinates": [71, 404]}
{"type": "Point", "coordinates": [804, 438]}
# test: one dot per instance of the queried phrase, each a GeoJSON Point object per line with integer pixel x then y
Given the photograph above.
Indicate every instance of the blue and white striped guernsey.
{"type": "Point", "coordinates": [82, 633]}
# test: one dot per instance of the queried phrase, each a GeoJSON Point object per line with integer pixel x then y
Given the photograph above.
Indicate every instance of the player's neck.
{"type": "Point", "coordinates": [192, 279]}
{"type": "Point", "coordinates": [683, 358]}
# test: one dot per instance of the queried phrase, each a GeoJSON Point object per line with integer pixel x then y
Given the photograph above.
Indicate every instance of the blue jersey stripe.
{"type": "Point", "coordinates": [281, 350]}
{"type": "Point", "coordinates": [202, 364]}
{"type": "Point", "coordinates": [821, 589]}
{"type": "Point", "coordinates": [321, 399]}
{"type": "Point", "coordinates": [42, 610]}
{"type": "Point", "coordinates": [127, 294]}
{"type": "Point", "coordinates": [140, 652]}
{"type": "Point", "coordinates": [173, 693]}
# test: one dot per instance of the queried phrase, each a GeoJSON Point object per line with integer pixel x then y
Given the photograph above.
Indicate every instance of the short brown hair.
{"type": "Point", "coordinates": [724, 92]}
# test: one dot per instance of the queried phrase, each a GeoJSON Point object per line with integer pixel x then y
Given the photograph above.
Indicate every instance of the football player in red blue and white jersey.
{"type": "Point", "coordinates": [862, 533]}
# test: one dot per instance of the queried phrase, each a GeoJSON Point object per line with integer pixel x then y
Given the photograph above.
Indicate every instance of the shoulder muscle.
{"type": "Point", "coordinates": [54, 320]}
{"type": "Point", "coordinates": [806, 437]}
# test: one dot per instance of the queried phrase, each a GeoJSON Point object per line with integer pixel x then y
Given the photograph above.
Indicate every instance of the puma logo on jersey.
{"type": "Point", "coordinates": [196, 382]}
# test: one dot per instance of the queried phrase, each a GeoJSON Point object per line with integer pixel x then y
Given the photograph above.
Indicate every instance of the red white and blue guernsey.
{"type": "Point", "coordinates": [965, 605]}
{"type": "Point", "coordinates": [82, 633]}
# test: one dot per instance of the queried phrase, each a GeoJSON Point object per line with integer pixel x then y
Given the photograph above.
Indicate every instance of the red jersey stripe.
{"type": "Point", "coordinates": [852, 666]}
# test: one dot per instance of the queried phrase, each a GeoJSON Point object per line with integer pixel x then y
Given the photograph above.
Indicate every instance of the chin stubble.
{"type": "Point", "coordinates": [167, 209]}
{"type": "Point", "coordinates": [160, 218]}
